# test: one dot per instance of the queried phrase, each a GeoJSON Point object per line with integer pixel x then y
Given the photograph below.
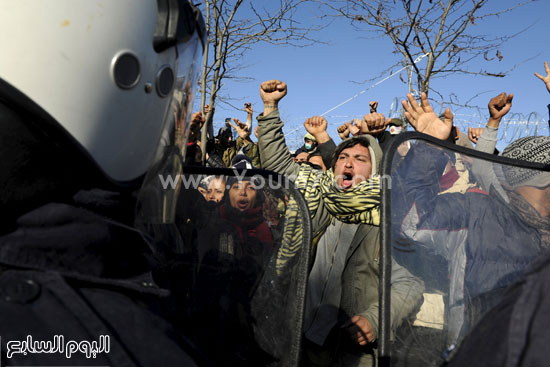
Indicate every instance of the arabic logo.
{"type": "Point", "coordinates": [58, 345]}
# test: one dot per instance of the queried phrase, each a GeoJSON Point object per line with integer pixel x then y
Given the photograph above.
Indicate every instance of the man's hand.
{"type": "Point", "coordinates": [272, 91]}
{"type": "Point", "coordinates": [545, 79]}
{"type": "Point", "coordinates": [343, 130]}
{"type": "Point", "coordinates": [499, 106]}
{"type": "Point", "coordinates": [317, 126]}
{"type": "Point", "coordinates": [240, 124]}
{"type": "Point", "coordinates": [374, 123]}
{"type": "Point", "coordinates": [241, 128]}
{"type": "Point", "coordinates": [248, 108]}
{"type": "Point", "coordinates": [197, 119]}
{"type": "Point", "coordinates": [256, 132]}
{"type": "Point", "coordinates": [359, 329]}
{"type": "Point", "coordinates": [423, 118]}
{"type": "Point", "coordinates": [355, 126]}
{"type": "Point", "coordinates": [474, 133]}
{"type": "Point", "coordinates": [373, 106]}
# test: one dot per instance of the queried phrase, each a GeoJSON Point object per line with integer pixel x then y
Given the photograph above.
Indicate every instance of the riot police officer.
{"type": "Point", "coordinates": [95, 99]}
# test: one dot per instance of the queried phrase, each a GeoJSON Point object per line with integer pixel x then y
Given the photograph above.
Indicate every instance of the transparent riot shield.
{"type": "Point", "coordinates": [468, 225]}
{"type": "Point", "coordinates": [239, 269]}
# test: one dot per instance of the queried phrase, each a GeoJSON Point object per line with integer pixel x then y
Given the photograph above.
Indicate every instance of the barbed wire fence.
{"type": "Point", "coordinates": [512, 127]}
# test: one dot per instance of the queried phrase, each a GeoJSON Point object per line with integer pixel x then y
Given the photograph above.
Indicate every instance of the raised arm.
{"type": "Point", "coordinates": [317, 126]}
{"type": "Point", "coordinates": [419, 214]}
{"type": "Point", "coordinates": [484, 173]}
{"type": "Point", "coordinates": [373, 123]}
{"type": "Point", "coordinates": [344, 130]}
{"type": "Point", "coordinates": [274, 153]}
{"type": "Point", "coordinates": [249, 111]}
{"type": "Point", "coordinates": [545, 79]}
{"type": "Point", "coordinates": [485, 139]}
{"type": "Point", "coordinates": [424, 120]}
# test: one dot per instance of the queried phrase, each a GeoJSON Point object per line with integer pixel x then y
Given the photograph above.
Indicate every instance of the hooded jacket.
{"type": "Point", "coordinates": [360, 275]}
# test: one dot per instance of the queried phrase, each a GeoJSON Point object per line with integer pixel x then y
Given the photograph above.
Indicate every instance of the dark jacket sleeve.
{"type": "Point", "coordinates": [419, 214]}
{"type": "Point", "coordinates": [384, 138]}
{"type": "Point", "coordinates": [327, 150]}
{"type": "Point", "coordinates": [520, 320]}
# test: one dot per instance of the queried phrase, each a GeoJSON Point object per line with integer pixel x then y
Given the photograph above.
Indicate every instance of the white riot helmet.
{"type": "Point", "coordinates": [116, 75]}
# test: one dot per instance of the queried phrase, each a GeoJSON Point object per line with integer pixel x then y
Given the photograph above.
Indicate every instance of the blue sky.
{"type": "Point", "coordinates": [322, 76]}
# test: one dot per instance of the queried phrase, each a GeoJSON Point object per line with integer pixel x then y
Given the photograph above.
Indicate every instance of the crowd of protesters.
{"type": "Point", "coordinates": [227, 271]}
{"type": "Point", "coordinates": [469, 212]}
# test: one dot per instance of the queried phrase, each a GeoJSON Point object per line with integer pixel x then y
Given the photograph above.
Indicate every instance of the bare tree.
{"type": "Point", "coordinates": [234, 27]}
{"type": "Point", "coordinates": [442, 30]}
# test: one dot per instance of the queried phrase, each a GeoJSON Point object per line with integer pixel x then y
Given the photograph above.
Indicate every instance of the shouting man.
{"type": "Point", "coordinates": [341, 320]}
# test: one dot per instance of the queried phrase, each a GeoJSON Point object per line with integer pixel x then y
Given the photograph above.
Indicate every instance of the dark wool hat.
{"type": "Point", "coordinates": [534, 149]}
{"type": "Point", "coordinates": [241, 161]}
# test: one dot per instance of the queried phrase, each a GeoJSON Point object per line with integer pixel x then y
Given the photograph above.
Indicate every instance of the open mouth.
{"type": "Point", "coordinates": [347, 180]}
{"type": "Point", "coordinates": [242, 204]}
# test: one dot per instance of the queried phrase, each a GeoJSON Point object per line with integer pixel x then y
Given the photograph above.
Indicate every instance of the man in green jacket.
{"type": "Point", "coordinates": [243, 144]}
{"type": "Point", "coordinates": [341, 319]}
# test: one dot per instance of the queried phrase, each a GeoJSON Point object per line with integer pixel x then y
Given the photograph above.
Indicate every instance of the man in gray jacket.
{"type": "Point", "coordinates": [341, 320]}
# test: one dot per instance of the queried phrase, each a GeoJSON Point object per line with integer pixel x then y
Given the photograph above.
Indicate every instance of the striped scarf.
{"type": "Point", "coordinates": [358, 204]}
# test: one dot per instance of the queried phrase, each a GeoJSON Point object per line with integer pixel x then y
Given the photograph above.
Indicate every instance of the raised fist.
{"type": "Point", "coordinates": [272, 91]}
{"type": "Point", "coordinates": [343, 130]}
{"type": "Point", "coordinates": [374, 123]}
{"type": "Point", "coordinates": [197, 119]}
{"type": "Point", "coordinates": [316, 125]}
{"type": "Point", "coordinates": [355, 126]}
{"type": "Point", "coordinates": [373, 106]}
{"type": "Point", "coordinates": [499, 106]}
{"type": "Point", "coordinates": [248, 108]}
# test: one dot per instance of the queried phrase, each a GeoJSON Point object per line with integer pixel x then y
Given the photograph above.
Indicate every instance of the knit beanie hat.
{"type": "Point", "coordinates": [534, 149]}
{"type": "Point", "coordinates": [241, 161]}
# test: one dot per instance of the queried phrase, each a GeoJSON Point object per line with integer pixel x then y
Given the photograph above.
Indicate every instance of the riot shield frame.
{"type": "Point", "coordinates": [384, 346]}
{"type": "Point", "coordinates": [304, 261]}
